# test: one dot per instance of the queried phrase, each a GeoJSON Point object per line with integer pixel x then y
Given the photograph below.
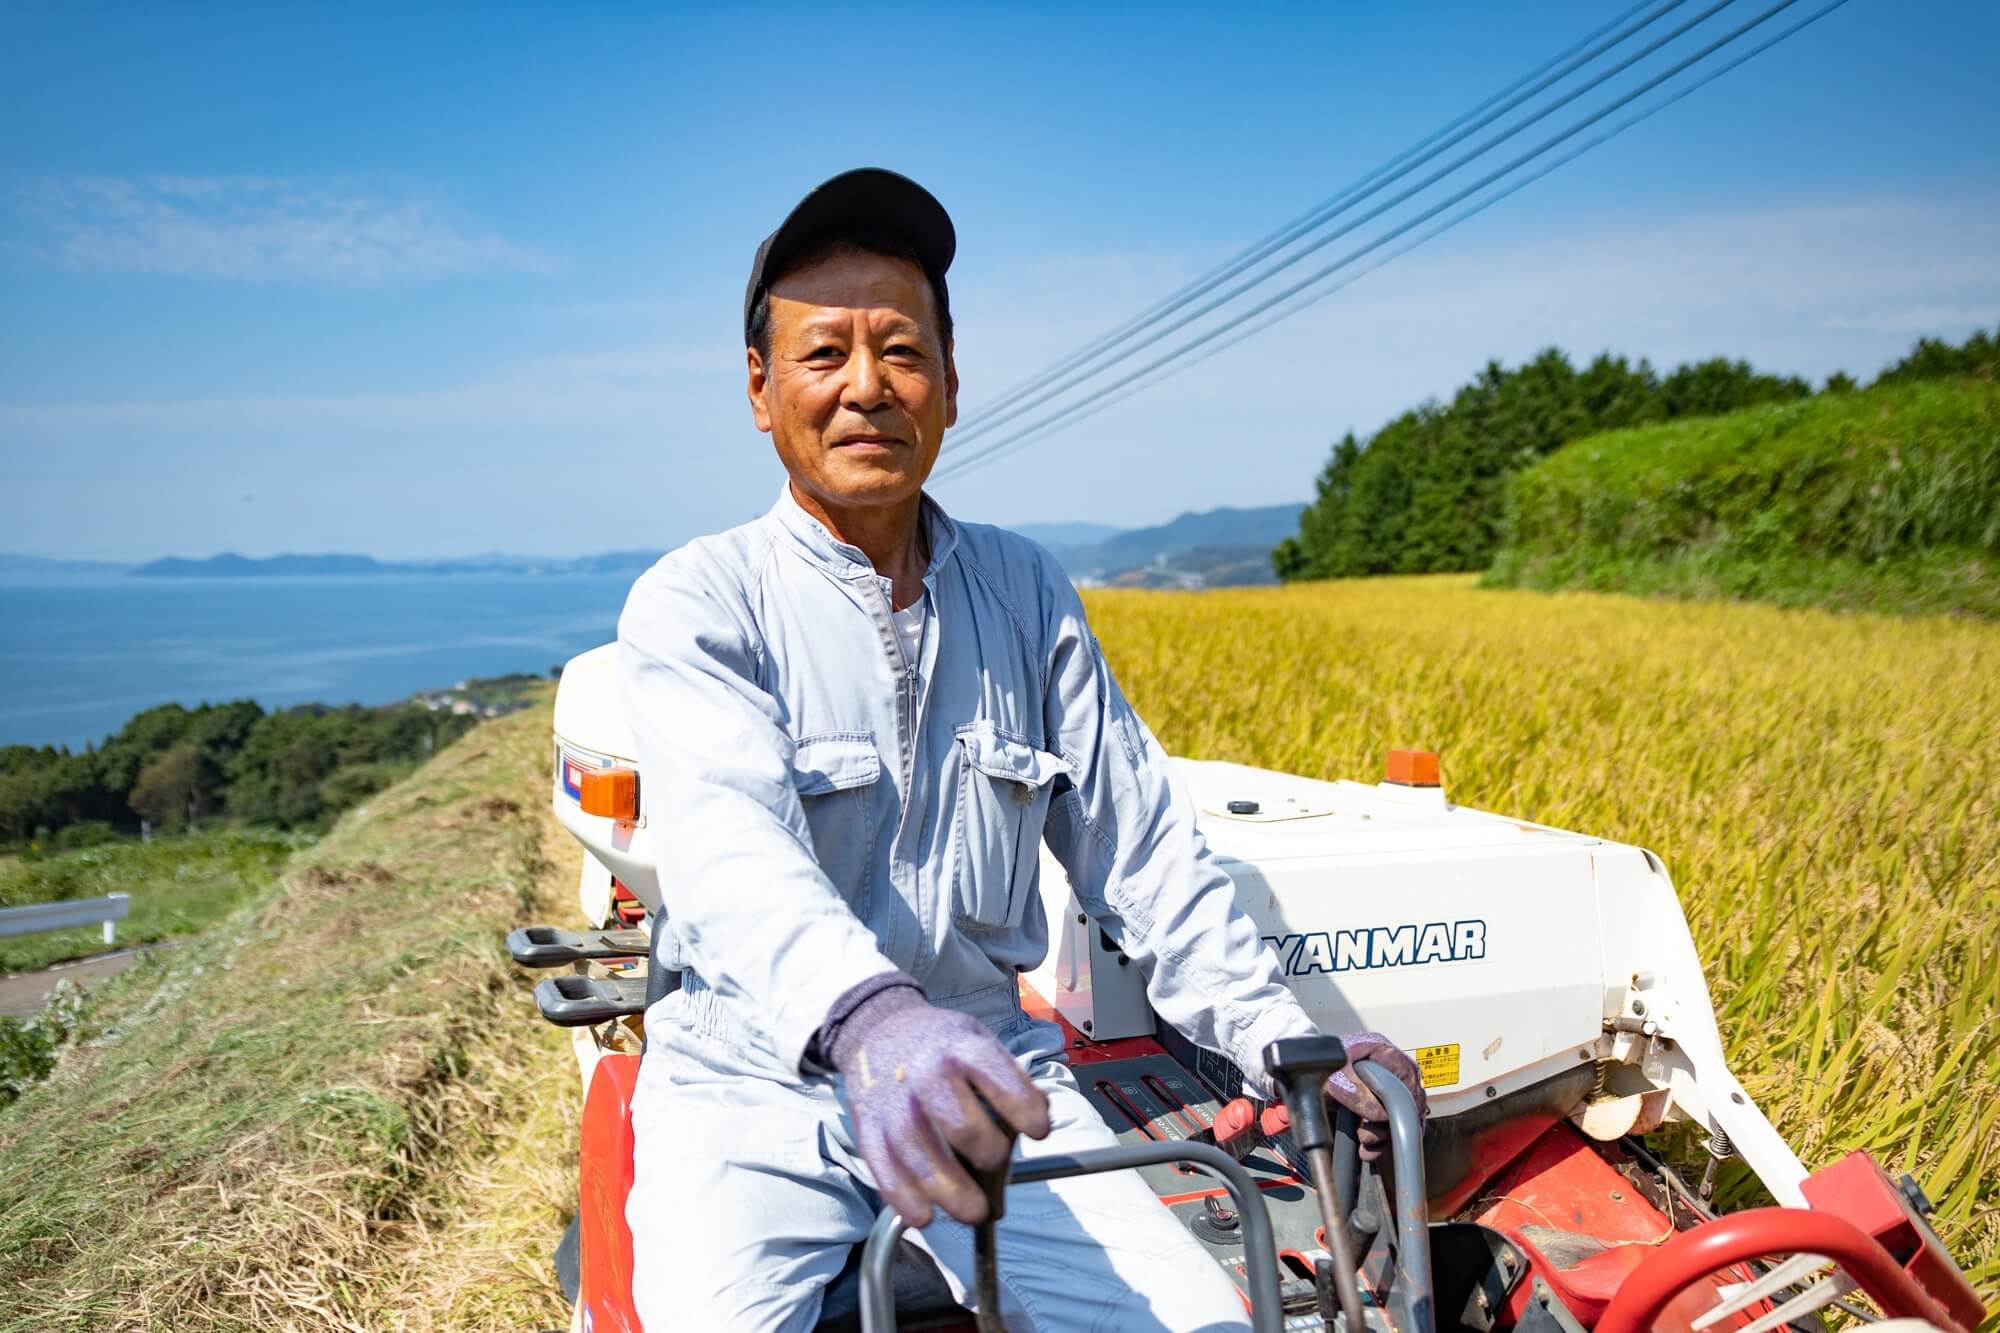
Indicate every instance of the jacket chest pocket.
{"type": "Point", "coordinates": [834, 774]}
{"type": "Point", "coordinates": [1003, 800]}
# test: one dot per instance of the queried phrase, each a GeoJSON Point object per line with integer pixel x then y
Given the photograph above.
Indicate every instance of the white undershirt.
{"type": "Point", "coordinates": [910, 625]}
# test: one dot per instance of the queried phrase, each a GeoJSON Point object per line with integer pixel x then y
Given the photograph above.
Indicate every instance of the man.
{"type": "Point", "coordinates": [857, 721]}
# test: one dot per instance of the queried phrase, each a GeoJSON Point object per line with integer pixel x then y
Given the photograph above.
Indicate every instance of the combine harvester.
{"type": "Point", "coordinates": [1545, 980]}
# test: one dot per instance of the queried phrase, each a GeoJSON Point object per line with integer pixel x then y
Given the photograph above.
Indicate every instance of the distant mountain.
{"type": "Point", "coordinates": [1059, 535]}
{"type": "Point", "coordinates": [230, 565]}
{"type": "Point", "coordinates": [1214, 548]}
{"type": "Point", "coordinates": [41, 565]}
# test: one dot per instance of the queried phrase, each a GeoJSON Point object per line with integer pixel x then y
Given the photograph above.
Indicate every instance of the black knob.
{"type": "Point", "coordinates": [1300, 1066]}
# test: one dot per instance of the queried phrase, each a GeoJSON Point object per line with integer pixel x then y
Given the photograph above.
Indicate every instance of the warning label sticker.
{"type": "Point", "coordinates": [1438, 1065]}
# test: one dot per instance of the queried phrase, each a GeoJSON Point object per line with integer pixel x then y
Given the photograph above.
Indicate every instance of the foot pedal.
{"type": "Point", "coordinates": [578, 1002]}
{"type": "Point", "coordinates": [546, 946]}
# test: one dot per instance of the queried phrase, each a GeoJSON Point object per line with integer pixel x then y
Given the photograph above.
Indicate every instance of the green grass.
{"type": "Point", "coordinates": [179, 885]}
{"type": "Point", "coordinates": [250, 1129]}
{"type": "Point", "coordinates": [1887, 500]}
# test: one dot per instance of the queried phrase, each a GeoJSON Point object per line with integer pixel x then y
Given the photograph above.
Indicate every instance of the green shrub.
{"type": "Point", "coordinates": [178, 884]}
{"type": "Point", "coordinates": [84, 833]}
{"type": "Point", "coordinates": [28, 1046]}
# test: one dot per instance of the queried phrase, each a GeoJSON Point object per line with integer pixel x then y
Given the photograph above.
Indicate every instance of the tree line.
{"type": "Point", "coordinates": [1427, 492]}
{"type": "Point", "coordinates": [174, 767]}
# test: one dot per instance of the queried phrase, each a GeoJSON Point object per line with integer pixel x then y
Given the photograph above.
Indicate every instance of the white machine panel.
{"type": "Point", "coordinates": [591, 732]}
{"type": "Point", "coordinates": [1487, 956]}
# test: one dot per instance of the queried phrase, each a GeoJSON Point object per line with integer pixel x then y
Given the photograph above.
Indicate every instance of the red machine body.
{"type": "Point", "coordinates": [604, 1179]}
{"type": "Point", "coordinates": [1572, 1208]}
{"type": "Point", "coordinates": [1856, 1190]}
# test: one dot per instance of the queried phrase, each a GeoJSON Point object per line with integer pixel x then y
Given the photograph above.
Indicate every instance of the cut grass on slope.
{"type": "Point", "coordinates": [264, 1126]}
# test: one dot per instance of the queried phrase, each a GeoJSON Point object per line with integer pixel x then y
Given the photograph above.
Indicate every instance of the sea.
{"type": "Point", "coordinates": [80, 654]}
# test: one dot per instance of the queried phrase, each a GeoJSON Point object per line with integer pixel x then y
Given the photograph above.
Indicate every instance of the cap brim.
{"type": "Point", "coordinates": [869, 199]}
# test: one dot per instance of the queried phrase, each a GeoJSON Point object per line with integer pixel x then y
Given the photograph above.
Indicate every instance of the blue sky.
{"type": "Point", "coordinates": [430, 280]}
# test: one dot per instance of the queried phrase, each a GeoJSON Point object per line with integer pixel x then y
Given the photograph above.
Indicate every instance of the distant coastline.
{"type": "Point", "coordinates": [1213, 548]}
{"type": "Point", "coordinates": [230, 565]}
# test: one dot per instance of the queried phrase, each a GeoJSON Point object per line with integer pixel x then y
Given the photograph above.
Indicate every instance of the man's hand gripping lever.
{"type": "Point", "coordinates": [919, 1081]}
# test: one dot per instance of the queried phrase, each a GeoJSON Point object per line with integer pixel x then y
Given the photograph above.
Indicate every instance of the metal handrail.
{"type": "Point", "coordinates": [1413, 1235]}
{"type": "Point", "coordinates": [878, 1296]}
{"type": "Point", "coordinates": [64, 913]}
{"type": "Point", "coordinates": [1752, 1234]}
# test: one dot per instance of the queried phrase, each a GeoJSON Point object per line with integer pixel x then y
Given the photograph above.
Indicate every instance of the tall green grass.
{"type": "Point", "coordinates": [1886, 500]}
{"type": "Point", "coordinates": [178, 885]}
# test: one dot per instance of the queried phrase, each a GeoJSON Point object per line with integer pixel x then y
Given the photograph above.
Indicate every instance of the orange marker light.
{"type": "Point", "coordinates": [1413, 768]}
{"type": "Point", "coordinates": [611, 792]}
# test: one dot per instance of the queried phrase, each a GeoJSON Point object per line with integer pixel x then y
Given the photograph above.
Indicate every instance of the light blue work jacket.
{"type": "Point", "coordinates": [824, 809]}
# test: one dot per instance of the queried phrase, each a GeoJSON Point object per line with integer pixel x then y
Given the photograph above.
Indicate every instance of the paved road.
{"type": "Point", "coordinates": [23, 994]}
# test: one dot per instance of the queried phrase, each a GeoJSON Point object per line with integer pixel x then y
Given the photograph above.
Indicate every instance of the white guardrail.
{"type": "Point", "coordinates": [38, 917]}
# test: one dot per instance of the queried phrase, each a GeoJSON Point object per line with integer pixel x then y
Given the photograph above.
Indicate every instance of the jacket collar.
{"type": "Point", "coordinates": [822, 548]}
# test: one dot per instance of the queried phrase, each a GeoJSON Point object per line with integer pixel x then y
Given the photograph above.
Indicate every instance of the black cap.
{"type": "Point", "coordinates": [868, 199]}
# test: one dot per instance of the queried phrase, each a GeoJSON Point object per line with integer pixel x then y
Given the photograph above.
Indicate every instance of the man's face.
{"type": "Point", "coordinates": [860, 387]}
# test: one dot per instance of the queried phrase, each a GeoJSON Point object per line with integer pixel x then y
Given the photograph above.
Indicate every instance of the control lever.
{"type": "Point", "coordinates": [1301, 1066]}
{"type": "Point", "coordinates": [1260, 1255]}
{"type": "Point", "coordinates": [985, 1244]}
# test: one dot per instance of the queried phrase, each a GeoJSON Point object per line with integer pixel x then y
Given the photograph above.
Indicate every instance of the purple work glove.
{"type": "Point", "coordinates": [1344, 1089]}
{"type": "Point", "coordinates": [910, 1070]}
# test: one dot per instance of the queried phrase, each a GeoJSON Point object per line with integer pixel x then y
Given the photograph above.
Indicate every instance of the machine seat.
{"type": "Point", "coordinates": [923, 1297]}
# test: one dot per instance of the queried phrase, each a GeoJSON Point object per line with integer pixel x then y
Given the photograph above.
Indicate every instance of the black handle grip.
{"type": "Point", "coordinates": [579, 1002]}
{"type": "Point", "coordinates": [547, 946]}
{"type": "Point", "coordinates": [1301, 1067]}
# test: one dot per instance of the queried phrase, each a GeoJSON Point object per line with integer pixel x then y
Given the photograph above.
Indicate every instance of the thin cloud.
{"type": "Point", "coordinates": [631, 386]}
{"type": "Point", "coordinates": [1918, 320]}
{"type": "Point", "coordinates": [1804, 290]}
{"type": "Point", "coordinates": [257, 229]}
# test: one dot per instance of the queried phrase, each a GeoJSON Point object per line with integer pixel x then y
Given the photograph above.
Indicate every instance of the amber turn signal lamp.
{"type": "Point", "coordinates": [611, 792]}
{"type": "Point", "coordinates": [1413, 768]}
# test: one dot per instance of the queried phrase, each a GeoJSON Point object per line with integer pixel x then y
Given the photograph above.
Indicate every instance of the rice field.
{"type": "Point", "coordinates": [1820, 786]}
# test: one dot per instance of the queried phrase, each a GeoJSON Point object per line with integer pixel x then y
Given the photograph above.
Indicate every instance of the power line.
{"type": "Point", "coordinates": [1207, 345]}
{"type": "Point", "coordinates": [1332, 206]}
{"type": "Point", "coordinates": [1072, 378]}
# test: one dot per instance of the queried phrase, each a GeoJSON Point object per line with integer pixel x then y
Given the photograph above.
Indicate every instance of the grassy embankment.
{"type": "Point", "coordinates": [338, 1109]}
{"type": "Point", "coordinates": [1887, 500]}
{"type": "Point", "coordinates": [179, 885]}
{"type": "Point", "coordinates": [339, 1112]}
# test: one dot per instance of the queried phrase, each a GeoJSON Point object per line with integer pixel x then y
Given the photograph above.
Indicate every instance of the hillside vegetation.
{"type": "Point", "coordinates": [178, 767]}
{"type": "Point", "coordinates": [338, 1110]}
{"type": "Point", "coordinates": [1888, 499]}
{"type": "Point", "coordinates": [1424, 494]}
{"type": "Point", "coordinates": [177, 884]}
{"type": "Point", "coordinates": [1432, 490]}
